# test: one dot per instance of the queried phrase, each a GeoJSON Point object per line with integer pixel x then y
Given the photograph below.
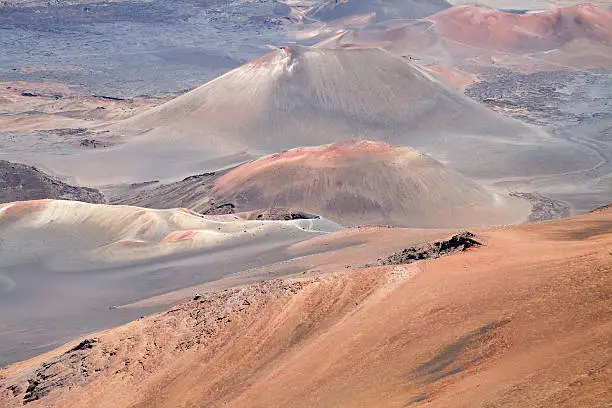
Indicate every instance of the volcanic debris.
{"type": "Point", "coordinates": [456, 243]}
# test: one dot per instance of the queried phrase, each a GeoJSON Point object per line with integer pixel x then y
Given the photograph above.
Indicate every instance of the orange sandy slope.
{"type": "Point", "coordinates": [524, 320]}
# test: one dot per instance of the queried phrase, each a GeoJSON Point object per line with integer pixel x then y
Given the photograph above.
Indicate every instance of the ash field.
{"type": "Point", "coordinates": [201, 201]}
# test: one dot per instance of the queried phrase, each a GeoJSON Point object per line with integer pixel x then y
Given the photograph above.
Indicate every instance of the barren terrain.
{"type": "Point", "coordinates": [90, 258]}
{"type": "Point", "coordinates": [362, 182]}
{"type": "Point", "coordinates": [462, 330]}
{"type": "Point", "coordinates": [305, 203]}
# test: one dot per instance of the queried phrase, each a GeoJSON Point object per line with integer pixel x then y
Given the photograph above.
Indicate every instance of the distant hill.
{"type": "Point", "coordinates": [19, 182]}
{"type": "Point", "coordinates": [361, 182]}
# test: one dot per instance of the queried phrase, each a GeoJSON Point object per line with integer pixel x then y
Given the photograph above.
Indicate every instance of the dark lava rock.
{"type": "Point", "coordinates": [19, 182]}
{"type": "Point", "coordinates": [84, 345]}
{"type": "Point", "coordinates": [601, 208]}
{"type": "Point", "coordinates": [68, 369]}
{"type": "Point", "coordinates": [282, 214]}
{"type": "Point", "coordinates": [544, 208]}
{"type": "Point", "coordinates": [456, 243]}
{"type": "Point", "coordinates": [220, 209]}
{"type": "Point", "coordinates": [92, 143]}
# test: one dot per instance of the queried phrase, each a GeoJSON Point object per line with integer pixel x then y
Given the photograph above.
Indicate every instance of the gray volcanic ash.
{"type": "Point", "coordinates": [301, 96]}
{"type": "Point", "coordinates": [381, 9]}
{"type": "Point", "coordinates": [63, 264]}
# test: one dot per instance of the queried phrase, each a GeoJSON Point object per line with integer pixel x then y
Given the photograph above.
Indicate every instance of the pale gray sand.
{"type": "Point", "coordinates": [64, 265]}
{"type": "Point", "coordinates": [44, 308]}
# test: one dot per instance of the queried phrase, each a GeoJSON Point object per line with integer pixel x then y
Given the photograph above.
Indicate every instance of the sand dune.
{"type": "Point", "coordinates": [523, 320]}
{"type": "Point", "coordinates": [59, 232]}
{"type": "Point", "coordinates": [64, 263]}
{"type": "Point", "coordinates": [301, 96]}
{"type": "Point", "coordinates": [361, 182]}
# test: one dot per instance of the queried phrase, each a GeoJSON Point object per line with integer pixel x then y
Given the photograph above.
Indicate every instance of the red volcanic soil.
{"type": "Point", "coordinates": [176, 236]}
{"type": "Point", "coordinates": [521, 321]}
{"type": "Point", "coordinates": [485, 27]}
{"type": "Point", "coordinates": [364, 182]}
{"type": "Point", "coordinates": [20, 208]}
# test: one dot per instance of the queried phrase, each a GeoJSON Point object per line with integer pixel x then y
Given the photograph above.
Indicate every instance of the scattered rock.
{"type": "Point", "coordinates": [456, 243]}
{"type": "Point", "coordinates": [84, 345]}
{"type": "Point", "coordinates": [544, 208]}
{"type": "Point", "coordinates": [226, 208]}
{"type": "Point", "coordinates": [92, 143]}
{"type": "Point", "coordinates": [602, 208]}
{"type": "Point", "coordinates": [203, 176]}
{"type": "Point", "coordinates": [110, 98]}
{"type": "Point", "coordinates": [69, 368]}
{"type": "Point", "coordinates": [283, 214]}
{"type": "Point", "coordinates": [67, 131]}
{"type": "Point", "coordinates": [15, 389]}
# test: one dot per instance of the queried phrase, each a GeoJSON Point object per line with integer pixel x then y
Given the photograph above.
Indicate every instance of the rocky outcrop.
{"type": "Point", "coordinates": [457, 243]}
{"type": "Point", "coordinates": [279, 214]}
{"type": "Point", "coordinates": [20, 182]}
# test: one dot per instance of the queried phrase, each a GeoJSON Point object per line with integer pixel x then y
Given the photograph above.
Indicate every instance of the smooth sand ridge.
{"type": "Point", "coordinates": [64, 264]}
{"type": "Point", "coordinates": [364, 182]}
{"type": "Point", "coordinates": [523, 320]}
{"type": "Point", "coordinates": [57, 229]}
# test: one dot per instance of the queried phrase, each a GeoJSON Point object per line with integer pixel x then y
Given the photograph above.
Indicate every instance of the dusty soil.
{"type": "Point", "coordinates": [192, 192]}
{"type": "Point", "coordinates": [63, 108]}
{"type": "Point", "coordinates": [366, 182]}
{"type": "Point", "coordinates": [570, 105]}
{"type": "Point", "coordinates": [521, 321]}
